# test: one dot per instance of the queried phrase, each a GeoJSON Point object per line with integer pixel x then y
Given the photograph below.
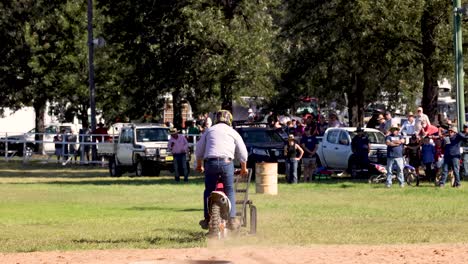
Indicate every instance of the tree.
{"type": "Point", "coordinates": [359, 48]}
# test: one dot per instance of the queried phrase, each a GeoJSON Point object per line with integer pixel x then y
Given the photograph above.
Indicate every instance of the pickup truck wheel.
{"type": "Point", "coordinates": [140, 169]}
{"type": "Point", "coordinates": [157, 171]}
{"type": "Point", "coordinates": [114, 169]}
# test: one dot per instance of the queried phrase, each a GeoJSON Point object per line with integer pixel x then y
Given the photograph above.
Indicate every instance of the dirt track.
{"type": "Point", "coordinates": [444, 253]}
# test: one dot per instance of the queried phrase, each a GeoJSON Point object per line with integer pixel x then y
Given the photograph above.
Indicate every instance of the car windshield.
{"type": "Point", "coordinates": [374, 137]}
{"type": "Point", "coordinates": [260, 136]}
{"type": "Point", "coordinates": [152, 134]}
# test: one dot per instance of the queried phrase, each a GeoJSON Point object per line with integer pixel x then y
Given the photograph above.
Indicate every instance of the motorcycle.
{"type": "Point", "coordinates": [219, 208]}
{"type": "Point", "coordinates": [409, 174]}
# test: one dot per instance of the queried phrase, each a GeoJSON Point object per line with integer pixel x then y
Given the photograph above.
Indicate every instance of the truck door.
{"type": "Point", "coordinates": [124, 149]}
{"type": "Point", "coordinates": [343, 150]}
{"type": "Point", "coordinates": [329, 146]}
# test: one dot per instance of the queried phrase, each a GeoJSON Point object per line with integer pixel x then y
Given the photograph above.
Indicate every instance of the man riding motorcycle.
{"type": "Point", "coordinates": [217, 148]}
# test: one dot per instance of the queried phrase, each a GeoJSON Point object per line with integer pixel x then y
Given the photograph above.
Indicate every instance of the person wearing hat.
{"type": "Point", "coordinates": [293, 153]}
{"type": "Point", "coordinates": [452, 156]}
{"type": "Point", "coordinates": [408, 127]}
{"type": "Point", "coordinates": [360, 146]}
{"type": "Point", "coordinates": [381, 124]}
{"type": "Point", "coordinates": [395, 142]}
{"type": "Point", "coordinates": [333, 120]}
{"type": "Point", "coordinates": [178, 146]}
{"type": "Point", "coordinates": [251, 115]}
{"type": "Point", "coordinates": [215, 153]}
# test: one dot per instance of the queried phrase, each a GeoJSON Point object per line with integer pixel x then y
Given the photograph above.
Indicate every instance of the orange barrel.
{"type": "Point", "coordinates": [266, 178]}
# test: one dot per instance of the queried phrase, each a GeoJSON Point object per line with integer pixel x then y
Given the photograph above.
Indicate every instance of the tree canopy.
{"type": "Point", "coordinates": [211, 52]}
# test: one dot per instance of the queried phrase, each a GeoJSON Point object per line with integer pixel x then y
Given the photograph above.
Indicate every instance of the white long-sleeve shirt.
{"type": "Point", "coordinates": [221, 141]}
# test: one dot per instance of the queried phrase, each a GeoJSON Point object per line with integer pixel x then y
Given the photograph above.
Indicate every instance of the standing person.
{"type": "Point", "coordinates": [381, 125]}
{"type": "Point", "coordinates": [58, 141]}
{"type": "Point", "coordinates": [452, 156]}
{"type": "Point", "coordinates": [373, 121]}
{"type": "Point", "coordinates": [420, 115]}
{"type": "Point", "coordinates": [465, 152]}
{"type": "Point", "coordinates": [394, 142]}
{"type": "Point", "coordinates": [388, 122]}
{"type": "Point", "coordinates": [208, 122]}
{"type": "Point", "coordinates": [428, 152]}
{"type": "Point", "coordinates": [360, 146]}
{"type": "Point", "coordinates": [293, 154]}
{"type": "Point", "coordinates": [83, 138]}
{"type": "Point", "coordinates": [217, 148]}
{"type": "Point", "coordinates": [428, 130]}
{"type": "Point", "coordinates": [438, 157]}
{"type": "Point", "coordinates": [408, 128]}
{"type": "Point", "coordinates": [413, 153]}
{"type": "Point", "coordinates": [178, 145]}
{"type": "Point", "coordinates": [72, 148]}
{"type": "Point", "coordinates": [333, 120]}
{"type": "Point", "coordinates": [309, 144]}
{"type": "Point", "coordinates": [101, 133]}
{"type": "Point", "coordinates": [250, 115]}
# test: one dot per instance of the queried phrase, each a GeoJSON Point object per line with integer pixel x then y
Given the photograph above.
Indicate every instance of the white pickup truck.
{"type": "Point", "coordinates": [141, 148]}
{"type": "Point", "coordinates": [335, 151]}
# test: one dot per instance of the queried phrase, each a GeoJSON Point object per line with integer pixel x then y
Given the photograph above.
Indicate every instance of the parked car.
{"type": "Point", "coordinates": [20, 144]}
{"type": "Point", "coordinates": [335, 151]}
{"type": "Point", "coordinates": [263, 145]}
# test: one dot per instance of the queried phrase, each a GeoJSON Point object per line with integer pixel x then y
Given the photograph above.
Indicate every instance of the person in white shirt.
{"type": "Point", "coordinates": [420, 116]}
{"type": "Point", "coordinates": [215, 153]}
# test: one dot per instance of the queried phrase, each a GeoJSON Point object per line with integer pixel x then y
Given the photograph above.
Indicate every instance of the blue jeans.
{"type": "Point", "coordinates": [399, 167]}
{"type": "Point", "coordinates": [465, 165]}
{"type": "Point", "coordinates": [291, 170]}
{"type": "Point", "coordinates": [180, 165]}
{"type": "Point", "coordinates": [453, 163]}
{"type": "Point", "coordinates": [215, 169]}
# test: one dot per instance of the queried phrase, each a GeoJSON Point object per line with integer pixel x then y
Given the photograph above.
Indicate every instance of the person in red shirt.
{"type": "Point", "coordinates": [101, 130]}
{"type": "Point", "coordinates": [428, 130]}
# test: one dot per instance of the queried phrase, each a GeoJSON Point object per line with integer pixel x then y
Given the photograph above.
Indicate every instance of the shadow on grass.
{"type": "Point", "coordinates": [158, 208]}
{"type": "Point", "coordinates": [166, 236]}
{"type": "Point", "coordinates": [117, 181]}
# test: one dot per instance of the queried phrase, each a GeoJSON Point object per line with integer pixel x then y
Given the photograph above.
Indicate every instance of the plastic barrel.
{"type": "Point", "coordinates": [266, 178]}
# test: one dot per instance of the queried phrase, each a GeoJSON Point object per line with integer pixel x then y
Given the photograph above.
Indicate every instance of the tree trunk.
{"type": "Point", "coordinates": [226, 92]}
{"type": "Point", "coordinates": [430, 88]}
{"type": "Point", "coordinates": [177, 108]}
{"type": "Point", "coordinates": [39, 111]}
{"type": "Point", "coordinates": [356, 103]}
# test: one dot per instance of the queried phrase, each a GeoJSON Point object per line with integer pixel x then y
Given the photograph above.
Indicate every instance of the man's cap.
{"type": "Point", "coordinates": [393, 128]}
{"type": "Point", "coordinates": [453, 128]}
{"type": "Point", "coordinates": [465, 125]}
{"type": "Point", "coordinates": [250, 110]}
{"type": "Point", "coordinates": [410, 114]}
{"type": "Point", "coordinates": [291, 136]}
{"type": "Point", "coordinates": [173, 130]}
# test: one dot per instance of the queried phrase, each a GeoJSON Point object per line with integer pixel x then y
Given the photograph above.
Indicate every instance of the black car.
{"type": "Point", "coordinates": [263, 145]}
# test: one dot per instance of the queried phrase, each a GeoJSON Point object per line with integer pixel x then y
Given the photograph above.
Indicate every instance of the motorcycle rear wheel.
{"type": "Point", "coordinates": [216, 228]}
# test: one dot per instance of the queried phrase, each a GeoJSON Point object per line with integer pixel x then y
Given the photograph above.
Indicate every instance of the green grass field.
{"type": "Point", "coordinates": [50, 207]}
